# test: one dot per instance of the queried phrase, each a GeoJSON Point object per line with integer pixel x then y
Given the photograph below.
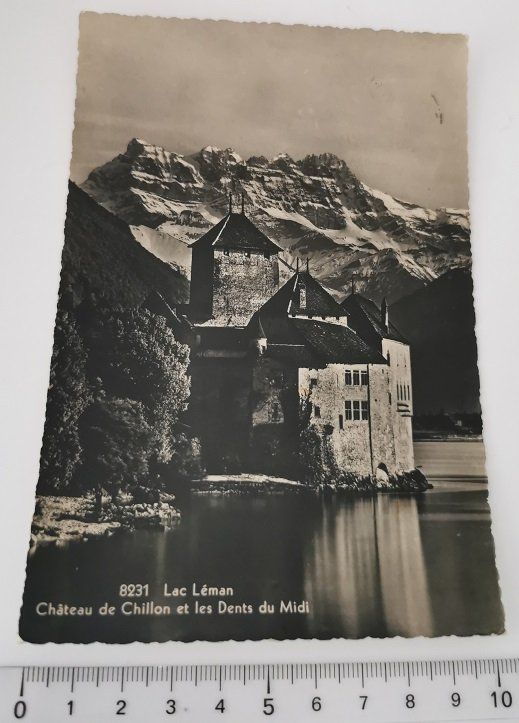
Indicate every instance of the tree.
{"type": "Point", "coordinates": [118, 445]}
{"type": "Point", "coordinates": [135, 359]}
{"type": "Point", "coordinates": [68, 397]}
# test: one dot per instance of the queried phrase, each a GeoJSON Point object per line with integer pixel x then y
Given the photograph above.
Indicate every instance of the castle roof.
{"type": "Point", "coordinates": [236, 231]}
{"type": "Point", "coordinates": [366, 318]}
{"type": "Point", "coordinates": [337, 344]}
{"type": "Point", "coordinates": [319, 302]}
{"type": "Point", "coordinates": [311, 342]}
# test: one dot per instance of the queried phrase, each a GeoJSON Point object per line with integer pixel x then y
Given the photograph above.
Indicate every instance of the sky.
{"type": "Point", "coordinates": [391, 104]}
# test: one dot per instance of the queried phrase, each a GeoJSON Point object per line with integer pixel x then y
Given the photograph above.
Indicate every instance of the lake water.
{"type": "Point", "coordinates": [379, 566]}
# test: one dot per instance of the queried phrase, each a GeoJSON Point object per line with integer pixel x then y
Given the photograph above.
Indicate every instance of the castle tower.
{"type": "Point", "coordinates": [234, 270]}
{"type": "Point", "coordinates": [374, 326]}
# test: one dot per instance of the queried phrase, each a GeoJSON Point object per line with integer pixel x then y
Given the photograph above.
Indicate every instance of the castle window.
{"type": "Point", "coordinates": [356, 410]}
{"type": "Point", "coordinates": [302, 297]}
{"type": "Point", "coordinates": [390, 398]}
{"type": "Point", "coordinates": [247, 254]}
{"type": "Point", "coordinates": [347, 377]}
{"type": "Point", "coordinates": [347, 409]}
{"type": "Point", "coordinates": [388, 359]}
{"type": "Point", "coordinates": [275, 413]}
{"type": "Point", "coordinates": [341, 421]}
{"type": "Point", "coordinates": [313, 382]}
{"type": "Point", "coordinates": [317, 412]}
{"type": "Point", "coordinates": [226, 252]}
{"type": "Point", "coordinates": [266, 255]}
{"type": "Point", "coordinates": [356, 378]}
{"type": "Point", "coordinates": [364, 410]}
{"type": "Point", "coordinates": [364, 377]}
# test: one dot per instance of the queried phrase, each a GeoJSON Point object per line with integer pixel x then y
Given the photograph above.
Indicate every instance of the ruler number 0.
{"type": "Point", "coordinates": [20, 709]}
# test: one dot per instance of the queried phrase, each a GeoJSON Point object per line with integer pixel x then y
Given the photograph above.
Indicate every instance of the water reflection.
{"type": "Point", "coordinates": [365, 570]}
{"type": "Point", "coordinates": [381, 566]}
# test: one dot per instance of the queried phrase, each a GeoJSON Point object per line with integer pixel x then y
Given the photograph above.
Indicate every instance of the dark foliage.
{"type": "Point", "coordinates": [68, 396]}
{"type": "Point", "coordinates": [119, 386]}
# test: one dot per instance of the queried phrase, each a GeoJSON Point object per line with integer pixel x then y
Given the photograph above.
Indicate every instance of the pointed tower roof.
{"type": "Point", "coordinates": [319, 302]}
{"type": "Point", "coordinates": [236, 231]}
{"type": "Point", "coordinates": [366, 318]}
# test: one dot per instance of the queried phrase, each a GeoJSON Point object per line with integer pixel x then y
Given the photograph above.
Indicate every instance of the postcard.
{"type": "Point", "coordinates": [263, 415]}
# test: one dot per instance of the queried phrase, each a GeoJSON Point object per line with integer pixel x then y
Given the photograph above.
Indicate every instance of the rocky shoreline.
{"type": "Point", "coordinates": [60, 520]}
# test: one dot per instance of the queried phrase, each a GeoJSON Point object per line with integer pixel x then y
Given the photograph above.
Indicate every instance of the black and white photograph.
{"type": "Point", "coordinates": [263, 417]}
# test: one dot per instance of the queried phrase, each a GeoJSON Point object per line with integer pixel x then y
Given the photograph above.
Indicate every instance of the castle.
{"type": "Point", "coordinates": [265, 353]}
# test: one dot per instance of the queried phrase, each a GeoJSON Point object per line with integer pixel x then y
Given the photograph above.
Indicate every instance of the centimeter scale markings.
{"type": "Point", "coordinates": [482, 689]}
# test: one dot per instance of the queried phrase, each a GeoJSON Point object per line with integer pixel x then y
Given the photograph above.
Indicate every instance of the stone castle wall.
{"type": "Point", "coordinates": [401, 401]}
{"type": "Point", "coordinates": [242, 283]}
{"type": "Point", "coordinates": [359, 445]}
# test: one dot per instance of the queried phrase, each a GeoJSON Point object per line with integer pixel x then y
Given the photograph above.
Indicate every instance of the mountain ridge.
{"type": "Point", "coordinates": [313, 208]}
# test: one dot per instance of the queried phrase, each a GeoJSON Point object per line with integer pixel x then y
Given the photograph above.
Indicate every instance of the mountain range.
{"type": "Point", "coordinates": [317, 209]}
{"type": "Point", "coordinates": [314, 208]}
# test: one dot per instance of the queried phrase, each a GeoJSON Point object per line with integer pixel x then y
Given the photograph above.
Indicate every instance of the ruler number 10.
{"type": "Point", "coordinates": [505, 699]}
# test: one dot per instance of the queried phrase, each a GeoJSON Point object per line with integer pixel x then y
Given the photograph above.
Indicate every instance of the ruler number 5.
{"type": "Point", "coordinates": [268, 706]}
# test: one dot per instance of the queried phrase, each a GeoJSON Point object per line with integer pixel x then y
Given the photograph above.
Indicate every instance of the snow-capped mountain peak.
{"type": "Point", "coordinates": [313, 208]}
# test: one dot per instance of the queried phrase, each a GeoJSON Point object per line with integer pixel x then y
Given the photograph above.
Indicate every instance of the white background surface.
{"type": "Point", "coordinates": [38, 43]}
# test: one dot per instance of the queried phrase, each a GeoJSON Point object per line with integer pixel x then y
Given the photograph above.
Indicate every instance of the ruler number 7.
{"type": "Point", "coordinates": [364, 699]}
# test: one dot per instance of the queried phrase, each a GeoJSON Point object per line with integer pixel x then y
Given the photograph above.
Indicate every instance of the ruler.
{"type": "Point", "coordinates": [432, 690]}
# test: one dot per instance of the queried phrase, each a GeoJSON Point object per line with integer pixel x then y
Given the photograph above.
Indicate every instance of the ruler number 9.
{"type": "Point", "coordinates": [455, 700]}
